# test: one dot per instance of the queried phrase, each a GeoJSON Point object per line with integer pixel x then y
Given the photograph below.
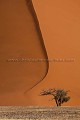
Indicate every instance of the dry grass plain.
{"type": "Point", "coordinates": [39, 113]}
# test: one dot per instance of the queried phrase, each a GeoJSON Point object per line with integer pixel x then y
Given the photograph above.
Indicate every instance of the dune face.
{"type": "Point", "coordinates": [60, 24]}
{"type": "Point", "coordinates": [20, 39]}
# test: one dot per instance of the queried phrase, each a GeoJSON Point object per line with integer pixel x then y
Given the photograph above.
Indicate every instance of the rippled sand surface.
{"type": "Point", "coordinates": [39, 113]}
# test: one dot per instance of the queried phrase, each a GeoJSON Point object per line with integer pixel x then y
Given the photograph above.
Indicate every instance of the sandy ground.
{"type": "Point", "coordinates": [40, 113]}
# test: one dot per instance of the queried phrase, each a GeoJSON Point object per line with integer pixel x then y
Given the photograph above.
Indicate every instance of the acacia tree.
{"type": "Point", "coordinates": [59, 95]}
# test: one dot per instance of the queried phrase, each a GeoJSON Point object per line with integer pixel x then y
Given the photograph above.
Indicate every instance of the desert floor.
{"type": "Point", "coordinates": [39, 113]}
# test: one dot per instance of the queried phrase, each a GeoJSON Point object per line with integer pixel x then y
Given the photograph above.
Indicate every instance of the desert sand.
{"type": "Point", "coordinates": [60, 26]}
{"type": "Point", "coordinates": [20, 40]}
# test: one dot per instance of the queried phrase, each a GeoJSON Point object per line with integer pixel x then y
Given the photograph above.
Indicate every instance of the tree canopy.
{"type": "Point", "coordinates": [59, 95]}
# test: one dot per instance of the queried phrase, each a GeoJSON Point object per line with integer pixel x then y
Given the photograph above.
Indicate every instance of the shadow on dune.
{"type": "Point", "coordinates": [20, 38]}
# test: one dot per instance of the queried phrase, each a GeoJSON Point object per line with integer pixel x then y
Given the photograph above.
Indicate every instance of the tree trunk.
{"type": "Point", "coordinates": [57, 103]}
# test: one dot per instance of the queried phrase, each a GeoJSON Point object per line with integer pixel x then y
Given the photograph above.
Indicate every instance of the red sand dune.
{"type": "Point", "coordinates": [60, 25]}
